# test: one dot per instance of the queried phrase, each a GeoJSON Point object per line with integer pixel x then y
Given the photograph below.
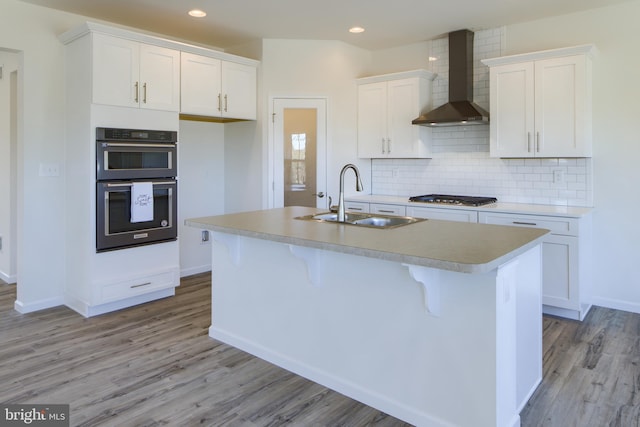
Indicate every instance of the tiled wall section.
{"type": "Point", "coordinates": [461, 162]}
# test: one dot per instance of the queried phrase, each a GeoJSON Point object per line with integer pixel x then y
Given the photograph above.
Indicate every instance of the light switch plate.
{"type": "Point", "coordinates": [49, 169]}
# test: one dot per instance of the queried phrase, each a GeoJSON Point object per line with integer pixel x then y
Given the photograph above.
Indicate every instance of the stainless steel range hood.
{"type": "Point", "coordinates": [460, 110]}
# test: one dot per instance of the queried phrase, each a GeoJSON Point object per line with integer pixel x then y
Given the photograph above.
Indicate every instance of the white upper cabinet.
{"type": "Point", "coordinates": [217, 88]}
{"type": "Point", "coordinates": [122, 68]}
{"type": "Point", "coordinates": [238, 97]}
{"type": "Point", "coordinates": [541, 104]}
{"type": "Point", "coordinates": [200, 84]}
{"type": "Point", "coordinates": [131, 74]}
{"type": "Point", "coordinates": [386, 106]}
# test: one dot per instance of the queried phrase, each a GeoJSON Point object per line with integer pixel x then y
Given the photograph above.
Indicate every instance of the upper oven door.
{"type": "Point", "coordinates": [135, 160]}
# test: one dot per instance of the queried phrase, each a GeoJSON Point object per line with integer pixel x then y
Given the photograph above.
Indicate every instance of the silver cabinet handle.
{"type": "Point", "coordinates": [320, 194]}
{"type": "Point", "coordinates": [382, 145]}
{"type": "Point", "coordinates": [225, 103]}
{"type": "Point", "coordinates": [130, 184]}
{"type": "Point", "coordinates": [538, 142]}
{"type": "Point", "coordinates": [528, 142]}
{"type": "Point", "coordinates": [140, 285]}
{"type": "Point", "coordinates": [353, 209]}
{"type": "Point", "coordinates": [389, 145]}
{"type": "Point", "coordinates": [135, 98]}
{"type": "Point", "coordinates": [385, 211]}
{"type": "Point", "coordinates": [525, 223]}
{"type": "Point", "coordinates": [220, 102]}
{"type": "Point", "coordinates": [144, 91]}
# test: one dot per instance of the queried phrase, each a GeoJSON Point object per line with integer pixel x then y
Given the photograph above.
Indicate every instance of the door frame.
{"type": "Point", "coordinates": [275, 156]}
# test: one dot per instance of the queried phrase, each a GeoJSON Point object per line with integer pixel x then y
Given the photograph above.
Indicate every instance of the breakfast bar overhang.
{"type": "Point", "coordinates": [436, 323]}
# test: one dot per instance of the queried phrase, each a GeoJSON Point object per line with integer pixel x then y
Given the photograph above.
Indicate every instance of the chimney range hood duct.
{"type": "Point", "coordinates": [460, 110]}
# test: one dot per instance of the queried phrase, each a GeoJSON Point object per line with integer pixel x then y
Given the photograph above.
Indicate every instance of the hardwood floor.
{"type": "Point", "coordinates": [154, 365]}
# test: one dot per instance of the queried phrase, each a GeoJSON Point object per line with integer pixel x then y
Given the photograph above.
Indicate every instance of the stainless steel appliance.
{"type": "Point", "coordinates": [135, 154]}
{"type": "Point", "coordinates": [126, 159]}
{"type": "Point", "coordinates": [454, 200]}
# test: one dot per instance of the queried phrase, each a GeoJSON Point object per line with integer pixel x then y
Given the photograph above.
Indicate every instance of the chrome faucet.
{"type": "Point", "coordinates": [341, 215]}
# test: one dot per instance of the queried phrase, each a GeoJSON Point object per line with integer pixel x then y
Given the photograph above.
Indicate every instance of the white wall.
{"type": "Point", "coordinates": [8, 160]}
{"type": "Point", "coordinates": [309, 68]}
{"type": "Point", "coordinates": [616, 147]}
{"type": "Point", "coordinates": [32, 31]}
{"type": "Point", "coordinates": [201, 173]}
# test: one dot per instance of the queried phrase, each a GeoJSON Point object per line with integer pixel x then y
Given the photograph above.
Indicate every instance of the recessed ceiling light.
{"type": "Point", "coordinates": [197, 13]}
{"type": "Point", "coordinates": [356, 30]}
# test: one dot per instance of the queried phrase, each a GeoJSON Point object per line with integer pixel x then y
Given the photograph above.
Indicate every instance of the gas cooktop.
{"type": "Point", "coordinates": [453, 200]}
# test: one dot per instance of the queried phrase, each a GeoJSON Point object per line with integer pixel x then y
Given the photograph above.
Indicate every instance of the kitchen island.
{"type": "Point", "coordinates": [436, 323]}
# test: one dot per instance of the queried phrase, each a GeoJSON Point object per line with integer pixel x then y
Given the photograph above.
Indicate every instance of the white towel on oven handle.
{"type": "Point", "coordinates": [141, 201]}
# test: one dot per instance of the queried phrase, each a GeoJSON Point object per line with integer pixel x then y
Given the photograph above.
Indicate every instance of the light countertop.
{"type": "Point", "coordinates": [446, 245]}
{"type": "Point", "coordinates": [519, 208]}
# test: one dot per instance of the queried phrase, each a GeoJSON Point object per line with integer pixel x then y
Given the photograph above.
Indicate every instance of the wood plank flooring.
{"type": "Point", "coordinates": [154, 365]}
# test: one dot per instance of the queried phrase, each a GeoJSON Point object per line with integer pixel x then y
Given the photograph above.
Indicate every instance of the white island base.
{"type": "Point", "coordinates": [441, 349]}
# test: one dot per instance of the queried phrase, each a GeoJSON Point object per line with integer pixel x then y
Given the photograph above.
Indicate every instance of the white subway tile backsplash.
{"type": "Point", "coordinates": [461, 162]}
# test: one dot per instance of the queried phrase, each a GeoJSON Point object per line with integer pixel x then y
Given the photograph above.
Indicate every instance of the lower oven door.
{"type": "Point", "coordinates": [114, 226]}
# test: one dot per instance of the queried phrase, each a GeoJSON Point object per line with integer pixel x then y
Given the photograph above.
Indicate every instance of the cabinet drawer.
{"type": "Point", "coordinates": [356, 206]}
{"type": "Point", "coordinates": [134, 287]}
{"type": "Point", "coordinates": [387, 209]}
{"type": "Point", "coordinates": [459, 215]}
{"type": "Point", "coordinates": [557, 225]}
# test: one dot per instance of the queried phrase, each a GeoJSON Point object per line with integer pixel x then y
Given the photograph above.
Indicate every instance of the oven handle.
{"type": "Point", "coordinates": [126, 144]}
{"type": "Point", "coordinates": [129, 184]}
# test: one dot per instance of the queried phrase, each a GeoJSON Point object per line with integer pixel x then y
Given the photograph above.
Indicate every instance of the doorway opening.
{"type": "Point", "coordinates": [9, 61]}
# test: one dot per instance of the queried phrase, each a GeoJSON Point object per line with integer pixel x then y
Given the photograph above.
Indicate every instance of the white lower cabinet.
{"type": "Point", "coordinates": [564, 260]}
{"type": "Point", "coordinates": [133, 287]}
{"type": "Point", "coordinates": [459, 215]}
{"type": "Point", "coordinates": [356, 206]}
{"type": "Point", "coordinates": [384, 209]}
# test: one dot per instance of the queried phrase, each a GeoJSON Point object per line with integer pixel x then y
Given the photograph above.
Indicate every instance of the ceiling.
{"type": "Point", "coordinates": [388, 23]}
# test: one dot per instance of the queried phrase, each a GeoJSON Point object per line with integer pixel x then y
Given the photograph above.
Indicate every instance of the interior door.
{"type": "Point", "coordinates": [300, 152]}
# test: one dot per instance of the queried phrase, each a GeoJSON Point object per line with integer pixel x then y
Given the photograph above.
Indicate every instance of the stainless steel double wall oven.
{"type": "Point", "coordinates": [127, 159]}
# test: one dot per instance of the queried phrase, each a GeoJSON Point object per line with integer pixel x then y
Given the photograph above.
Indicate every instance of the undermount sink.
{"type": "Point", "coordinates": [363, 219]}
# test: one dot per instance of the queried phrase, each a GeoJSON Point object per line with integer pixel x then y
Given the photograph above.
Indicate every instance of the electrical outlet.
{"type": "Point", "coordinates": [558, 176]}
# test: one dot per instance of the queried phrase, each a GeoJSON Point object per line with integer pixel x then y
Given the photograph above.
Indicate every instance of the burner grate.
{"type": "Point", "coordinates": [453, 200]}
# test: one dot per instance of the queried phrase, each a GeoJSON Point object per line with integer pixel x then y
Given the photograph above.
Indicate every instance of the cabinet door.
{"type": "Point", "coordinates": [403, 105]}
{"type": "Point", "coordinates": [159, 78]}
{"type": "Point", "coordinates": [512, 110]}
{"type": "Point", "coordinates": [459, 215]}
{"type": "Point", "coordinates": [356, 206]}
{"type": "Point", "coordinates": [560, 94]}
{"type": "Point", "coordinates": [199, 85]}
{"type": "Point", "coordinates": [372, 120]}
{"type": "Point", "coordinates": [385, 209]}
{"type": "Point", "coordinates": [115, 71]}
{"type": "Point", "coordinates": [238, 94]}
{"type": "Point", "coordinates": [560, 272]}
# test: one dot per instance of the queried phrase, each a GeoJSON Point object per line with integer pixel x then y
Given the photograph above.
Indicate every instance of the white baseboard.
{"type": "Point", "coordinates": [616, 304]}
{"type": "Point", "coordinates": [8, 278]}
{"type": "Point", "coordinates": [86, 310]}
{"type": "Point", "coordinates": [195, 270]}
{"type": "Point", "coordinates": [23, 308]}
